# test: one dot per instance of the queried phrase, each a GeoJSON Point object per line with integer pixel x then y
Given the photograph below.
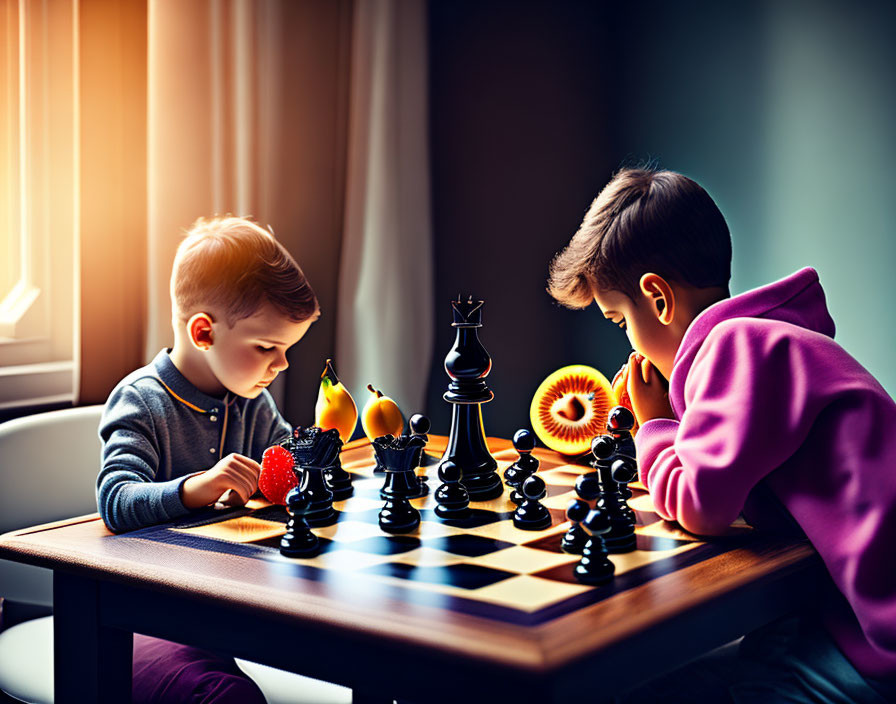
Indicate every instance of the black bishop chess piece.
{"type": "Point", "coordinates": [314, 451]}
{"type": "Point", "coordinates": [452, 498]}
{"type": "Point", "coordinates": [531, 514]}
{"type": "Point", "coordinates": [621, 536]}
{"type": "Point", "coordinates": [526, 465]}
{"type": "Point", "coordinates": [576, 537]}
{"type": "Point", "coordinates": [595, 567]}
{"type": "Point", "coordinates": [468, 363]}
{"type": "Point", "coordinates": [399, 458]}
{"type": "Point", "coordinates": [299, 540]}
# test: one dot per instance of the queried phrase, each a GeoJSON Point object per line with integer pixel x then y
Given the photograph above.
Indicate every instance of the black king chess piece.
{"type": "Point", "coordinates": [468, 364]}
{"type": "Point", "coordinates": [399, 458]}
{"type": "Point", "coordinates": [315, 451]}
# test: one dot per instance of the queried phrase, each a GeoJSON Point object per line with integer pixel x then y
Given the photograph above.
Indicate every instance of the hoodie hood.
{"type": "Point", "coordinates": [797, 299]}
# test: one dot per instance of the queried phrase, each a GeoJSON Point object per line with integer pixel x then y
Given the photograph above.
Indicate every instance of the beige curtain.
{"type": "Point", "coordinates": [385, 324]}
{"type": "Point", "coordinates": [251, 112]}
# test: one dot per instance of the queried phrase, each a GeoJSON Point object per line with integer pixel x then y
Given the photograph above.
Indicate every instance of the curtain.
{"type": "Point", "coordinates": [251, 112]}
{"type": "Point", "coordinates": [385, 319]}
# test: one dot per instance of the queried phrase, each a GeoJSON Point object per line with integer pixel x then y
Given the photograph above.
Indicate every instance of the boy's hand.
{"type": "Point", "coordinates": [235, 473]}
{"type": "Point", "coordinates": [650, 398]}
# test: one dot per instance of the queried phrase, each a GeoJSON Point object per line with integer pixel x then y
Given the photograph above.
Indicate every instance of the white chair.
{"type": "Point", "coordinates": [48, 464]}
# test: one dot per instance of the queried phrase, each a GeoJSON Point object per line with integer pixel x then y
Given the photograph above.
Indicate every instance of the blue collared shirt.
{"type": "Point", "coordinates": [157, 429]}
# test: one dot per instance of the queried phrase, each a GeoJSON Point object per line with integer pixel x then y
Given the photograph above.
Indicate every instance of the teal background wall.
{"type": "Point", "coordinates": [784, 110]}
{"type": "Point", "coordinates": [786, 113]}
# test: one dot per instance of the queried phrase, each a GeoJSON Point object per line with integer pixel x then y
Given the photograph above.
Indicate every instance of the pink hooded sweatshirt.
{"type": "Point", "coordinates": [761, 391]}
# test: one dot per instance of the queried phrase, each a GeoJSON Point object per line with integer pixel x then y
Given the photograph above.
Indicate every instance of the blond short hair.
{"type": "Point", "coordinates": [232, 266]}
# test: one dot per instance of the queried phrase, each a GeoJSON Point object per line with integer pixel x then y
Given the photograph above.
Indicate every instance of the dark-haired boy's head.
{"type": "Point", "coordinates": [233, 267]}
{"type": "Point", "coordinates": [644, 221]}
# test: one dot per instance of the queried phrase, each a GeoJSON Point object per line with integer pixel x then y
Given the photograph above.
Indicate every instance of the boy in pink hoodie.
{"type": "Point", "coordinates": [761, 410]}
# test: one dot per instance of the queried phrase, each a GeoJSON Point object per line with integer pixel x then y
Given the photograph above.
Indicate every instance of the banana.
{"type": "Point", "coordinates": [381, 416]}
{"type": "Point", "coordinates": [335, 406]}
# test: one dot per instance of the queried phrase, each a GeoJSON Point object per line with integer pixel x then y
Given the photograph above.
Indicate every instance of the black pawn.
{"type": "Point", "coordinates": [299, 541]}
{"type": "Point", "coordinates": [452, 498]}
{"type": "Point", "coordinates": [419, 425]}
{"type": "Point", "coordinates": [526, 465]}
{"type": "Point", "coordinates": [398, 516]}
{"type": "Point", "coordinates": [595, 567]}
{"type": "Point", "coordinates": [620, 422]}
{"type": "Point", "coordinates": [531, 514]}
{"type": "Point", "coordinates": [588, 486]}
{"type": "Point", "coordinates": [576, 537]}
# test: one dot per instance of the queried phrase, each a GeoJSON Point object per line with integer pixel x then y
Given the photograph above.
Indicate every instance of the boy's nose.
{"type": "Point", "coordinates": [280, 364]}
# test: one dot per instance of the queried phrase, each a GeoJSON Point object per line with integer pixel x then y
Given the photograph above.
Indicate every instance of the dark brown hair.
{"type": "Point", "coordinates": [233, 266]}
{"type": "Point", "coordinates": [643, 221]}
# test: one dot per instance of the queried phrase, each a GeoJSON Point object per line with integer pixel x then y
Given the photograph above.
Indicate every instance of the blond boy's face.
{"type": "Point", "coordinates": [246, 358]}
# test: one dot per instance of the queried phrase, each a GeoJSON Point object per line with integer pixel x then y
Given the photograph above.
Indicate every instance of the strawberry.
{"type": "Point", "coordinates": [277, 476]}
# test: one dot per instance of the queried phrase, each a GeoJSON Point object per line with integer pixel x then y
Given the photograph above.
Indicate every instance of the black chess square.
{"type": "Point", "coordinates": [478, 517]}
{"type": "Point", "coordinates": [462, 576]}
{"type": "Point", "coordinates": [467, 544]}
{"type": "Point", "coordinates": [381, 544]}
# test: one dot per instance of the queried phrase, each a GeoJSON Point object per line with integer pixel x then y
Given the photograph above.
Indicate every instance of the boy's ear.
{"type": "Point", "coordinates": [199, 328]}
{"type": "Point", "coordinates": [660, 295]}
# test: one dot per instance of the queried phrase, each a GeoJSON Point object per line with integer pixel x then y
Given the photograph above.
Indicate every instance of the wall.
{"type": "Point", "coordinates": [785, 112]}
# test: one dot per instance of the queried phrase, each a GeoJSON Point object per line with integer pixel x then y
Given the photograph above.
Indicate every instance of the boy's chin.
{"type": "Point", "coordinates": [254, 392]}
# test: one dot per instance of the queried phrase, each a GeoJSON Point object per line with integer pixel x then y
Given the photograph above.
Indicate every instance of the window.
{"type": "Point", "coordinates": [38, 202]}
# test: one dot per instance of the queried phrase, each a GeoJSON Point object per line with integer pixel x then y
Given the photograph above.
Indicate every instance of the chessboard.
{"type": "Point", "coordinates": [483, 565]}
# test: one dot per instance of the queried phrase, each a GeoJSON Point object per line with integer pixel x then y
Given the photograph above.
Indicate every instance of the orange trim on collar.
{"type": "Point", "coordinates": [183, 401]}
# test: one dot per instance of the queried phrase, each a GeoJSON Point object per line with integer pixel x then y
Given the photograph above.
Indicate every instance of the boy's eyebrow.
{"type": "Point", "coordinates": [269, 341]}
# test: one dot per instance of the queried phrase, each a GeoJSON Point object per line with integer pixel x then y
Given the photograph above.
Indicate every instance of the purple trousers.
{"type": "Point", "coordinates": [171, 673]}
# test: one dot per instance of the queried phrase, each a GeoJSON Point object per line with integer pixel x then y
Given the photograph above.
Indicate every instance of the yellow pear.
{"type": "Point", "coordinates": [335, 406]}
{"type": "Point", "coordinates": [381, 415]}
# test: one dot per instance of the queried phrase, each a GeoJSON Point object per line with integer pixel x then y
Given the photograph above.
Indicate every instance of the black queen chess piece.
{"type": "Point", "coordinates": [467, 364]}
{"type": "Point", "coordinates": [399, 458]}
{"type": "Point", "coordinates": [314, 451]}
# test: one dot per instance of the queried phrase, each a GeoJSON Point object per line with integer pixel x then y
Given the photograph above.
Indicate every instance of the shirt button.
{"type": "Point", "coordinates": [213, 418]}
{"type": "Point", "coordinates": [212, 450]}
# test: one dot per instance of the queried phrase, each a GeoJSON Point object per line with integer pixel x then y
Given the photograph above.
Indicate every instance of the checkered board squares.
{"type": "Point", "coordinates": [483, 565]}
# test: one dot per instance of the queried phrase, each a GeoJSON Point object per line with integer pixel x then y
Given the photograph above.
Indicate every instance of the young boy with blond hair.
{"type": "Point", "coordinates": [189, 428]}
{"type": "Point", "coordinates": [748, 406]}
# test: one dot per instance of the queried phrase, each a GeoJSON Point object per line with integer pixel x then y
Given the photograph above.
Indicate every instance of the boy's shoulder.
{"type": "Point", "coordinates": [142, 386]}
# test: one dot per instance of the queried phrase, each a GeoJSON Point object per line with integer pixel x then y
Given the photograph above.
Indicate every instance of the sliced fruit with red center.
{"type": "Point", "coordinates": [570, 408]}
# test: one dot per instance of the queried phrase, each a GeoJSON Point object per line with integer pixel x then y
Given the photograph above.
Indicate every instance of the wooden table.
{"type": "Point", "coordinates": [374, 639]}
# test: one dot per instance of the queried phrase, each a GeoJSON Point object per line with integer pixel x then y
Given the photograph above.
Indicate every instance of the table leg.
{"type": "Point", "coordinates": [92, 662]}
